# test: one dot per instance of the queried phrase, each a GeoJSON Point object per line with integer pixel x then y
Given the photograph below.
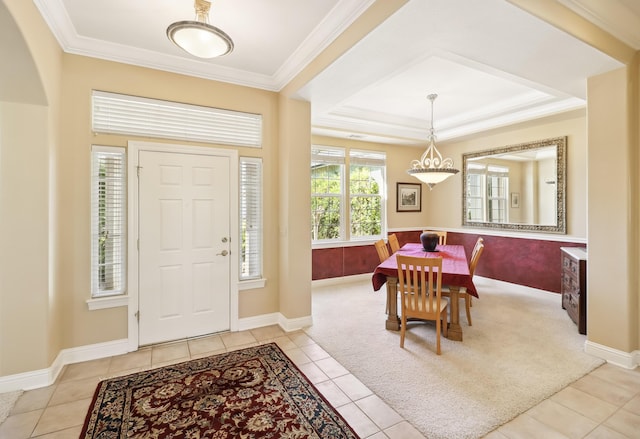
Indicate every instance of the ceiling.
{"type": "Point", "coordinates": [491, 63]}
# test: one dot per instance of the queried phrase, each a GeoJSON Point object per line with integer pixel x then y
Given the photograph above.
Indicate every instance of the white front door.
{"type": "Point", "coordinates": [184, 263]}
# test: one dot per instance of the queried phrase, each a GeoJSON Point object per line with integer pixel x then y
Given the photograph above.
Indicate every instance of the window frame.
{"type": "Point", "coordinates": [250, 194]}
{"type": "Point", "coordinates": [330, 155]}
{"type": "Point", "coordinates": [119, 183]}
{"type": "Point", "coordinates": [487, 175]}
{"type": "Point", "coordinates": [373, 160]}
{"type": "Point", "coordinates": [353, 157]}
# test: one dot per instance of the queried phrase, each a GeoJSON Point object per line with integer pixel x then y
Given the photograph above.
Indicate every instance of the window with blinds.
{"type": "Point", "coordinates": [250, 218]}
{"type": "Point", "coordinates": [133, 115]}
{"type": "Point", "coordinates": [497, 189]}
{"type": "Point", "coordinates": [366, 191]}
{"type": "Point", "coordinates": [327, 193]}
{"type": "Point", "coordinates": [108, 220]}
{"type": "Point", "coordinates": [356, 198]}
{"type": "Point", "coordinates": [487, 189]}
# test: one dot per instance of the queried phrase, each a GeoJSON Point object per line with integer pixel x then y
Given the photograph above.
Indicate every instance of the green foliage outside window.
{"type": "Point", "coordinates": [366, 201]}
{"type": "Point", "coordinates": [326, 201]}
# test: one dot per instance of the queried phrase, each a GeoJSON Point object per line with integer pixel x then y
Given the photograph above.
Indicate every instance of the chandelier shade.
{"type": "Point", "coordinates": [199, 38]}
{"type": "Point", "coordinates": [432, 169]}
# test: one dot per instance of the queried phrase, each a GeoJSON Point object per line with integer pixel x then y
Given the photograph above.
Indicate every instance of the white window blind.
{"type": "Point", "coordinates": [367, 158]}
{"type": "Point", "coordinates": [327, 193]}
{"type": "Point", "coordinates": [325, 155]}
{"type": "Point", "coordinates": [250, 218]}
{"type": "Point", "coordinates": [132, 115]}
{"type": "Point", "coordinates": [108, 220]}
{"type": "Point", "coordinates": [367, 194]}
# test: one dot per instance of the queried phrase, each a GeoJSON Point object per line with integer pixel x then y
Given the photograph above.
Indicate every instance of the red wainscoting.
{"type": "Point", "coordinates": [524, 261]}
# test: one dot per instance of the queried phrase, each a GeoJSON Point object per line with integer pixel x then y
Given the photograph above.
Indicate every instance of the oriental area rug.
{"type": "Point", "coordinates": [251, 393]}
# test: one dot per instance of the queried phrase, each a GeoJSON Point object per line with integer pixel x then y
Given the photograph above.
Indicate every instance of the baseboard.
{"type": "Point", "coordinates": [341, 280]}
{"type": "Point", "coordinates": [613, 356]}
{"type": "Point", "coordinates": [276, 318]}
{"type": "Point", "coordinates": [289, 325]}
{"type": "Point", "coordinates": [45, 377]}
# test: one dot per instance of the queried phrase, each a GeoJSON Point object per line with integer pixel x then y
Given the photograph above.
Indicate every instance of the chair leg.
{"type": "Point", "coordinates": [467, 305]}
{"type": "Point", "coordinates": [438, 324]}
{"type": "Point", "coordinates": [445, 319]}
{"type": "Point", "coordinates": [403, 328]}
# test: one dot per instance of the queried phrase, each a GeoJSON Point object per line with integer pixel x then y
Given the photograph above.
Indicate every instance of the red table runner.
{"type": "Point", "coordinates": [455, 267]}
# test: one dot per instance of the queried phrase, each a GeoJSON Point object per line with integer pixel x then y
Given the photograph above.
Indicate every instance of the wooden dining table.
{"type": "Point", "coordinates": [455, 275]}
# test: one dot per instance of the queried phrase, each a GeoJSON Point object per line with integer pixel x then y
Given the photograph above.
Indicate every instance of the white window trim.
{"type": "Point", "coordinates": [336, 156]}
{"type": "Point", "coordinates": [123, 249]}
{"type": "Point", "coordinates": [108, 302]}
{"type": "Point", "coordinates": [260, 220]}
{"type": "Point", "coordinates": [373, 159]}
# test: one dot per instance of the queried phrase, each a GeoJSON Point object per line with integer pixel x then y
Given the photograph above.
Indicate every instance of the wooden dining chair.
{"type": "Point", "coordinates": [442, 235]}
{"type": "Point", "coordinates": [463, 294]}
{"type": "Point", "coordinates": [420, 286]}
{"type": "Point", "coordinates": [393, 243]}
{"type": "Point", "coordinates": [383, 251]}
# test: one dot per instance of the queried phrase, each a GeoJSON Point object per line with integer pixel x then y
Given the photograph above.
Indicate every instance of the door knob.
{"type": "Point", "coordinates": [224, 253]}
{"type": "Point", "coordinates": [224, 239]}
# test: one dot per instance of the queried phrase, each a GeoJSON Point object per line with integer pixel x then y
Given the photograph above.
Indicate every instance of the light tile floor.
{"type": "Point", "coordinates": [603, 404]}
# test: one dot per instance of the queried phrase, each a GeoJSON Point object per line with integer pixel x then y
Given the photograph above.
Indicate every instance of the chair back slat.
{"type": "Point", "coordinates": [475, 257]}
{"type": "Point", "coordinates": [393, 243]}
{"type": "Point", "coordinates": [420, 280]}
{"type": "Point", "coordinates": [383, 251]}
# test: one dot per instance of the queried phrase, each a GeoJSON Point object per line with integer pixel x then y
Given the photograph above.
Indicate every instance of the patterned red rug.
{"type": "Point", "coordinates": [252, 393]}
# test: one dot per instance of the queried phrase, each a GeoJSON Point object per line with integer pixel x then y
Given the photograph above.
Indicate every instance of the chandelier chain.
{"type": "Point", "coordinates": [202, 10]}
{"type": "Point", "coordinates": [432, 168]}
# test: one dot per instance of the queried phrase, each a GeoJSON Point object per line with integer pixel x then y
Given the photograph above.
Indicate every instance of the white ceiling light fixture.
{"type": "Point", "coordinates": [198, 37]}
{"type": "Point", "coordinates": [432, 169]}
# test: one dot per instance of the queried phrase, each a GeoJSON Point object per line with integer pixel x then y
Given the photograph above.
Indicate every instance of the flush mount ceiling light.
{"type": "Point", "coordinates": [199, 38]}
{"type": "Point", "coordinates": [432, 168]}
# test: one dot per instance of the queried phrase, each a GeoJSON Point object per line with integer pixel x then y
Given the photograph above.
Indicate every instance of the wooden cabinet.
{"type": "Point", "coordinates": [574, 285]}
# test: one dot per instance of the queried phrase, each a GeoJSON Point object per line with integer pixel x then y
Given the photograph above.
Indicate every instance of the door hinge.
{"type": "Point", "coordinates": [138, 244]}
{"type": "Point", "coordinates": [137, 314]}
{"type": "Point", "coordinates": [138, 170]}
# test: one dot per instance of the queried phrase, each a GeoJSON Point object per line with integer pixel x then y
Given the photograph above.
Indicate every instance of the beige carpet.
{"type": "Point", "coordinates": [521, 349]}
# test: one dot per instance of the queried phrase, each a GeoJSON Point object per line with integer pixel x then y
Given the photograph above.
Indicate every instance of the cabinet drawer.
{"type": "Point", "coordinates": [570, 265]}
{"type": "Point", "coordinates": [570, 284]}
{"type": "Point", "coordinates": [571, 302]}
{"type": "Point", "coordinates": [574, 285]}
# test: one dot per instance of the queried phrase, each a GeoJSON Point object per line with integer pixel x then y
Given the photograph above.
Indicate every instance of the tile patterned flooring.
{"type": "Point", "coordinates": [602, 404]}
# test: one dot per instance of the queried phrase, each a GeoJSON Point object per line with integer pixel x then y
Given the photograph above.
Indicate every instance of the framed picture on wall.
{"type": "Point", "coordinates": [515, 199]}
{"type": "Point", "coordinates": [408, 197]}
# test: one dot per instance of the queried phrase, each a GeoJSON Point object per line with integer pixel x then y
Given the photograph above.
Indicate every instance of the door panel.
{"type": "Point", "coordinates": [183, 221]}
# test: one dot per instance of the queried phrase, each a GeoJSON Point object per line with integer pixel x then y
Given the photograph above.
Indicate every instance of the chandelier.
{"type": "Point", "coordinates": [432, 168]}
{"type": "Point", "coordinates": [198, 37]}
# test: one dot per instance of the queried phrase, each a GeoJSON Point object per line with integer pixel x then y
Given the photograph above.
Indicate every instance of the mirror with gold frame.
{"type": "Point", "coordinates": [517, 187]}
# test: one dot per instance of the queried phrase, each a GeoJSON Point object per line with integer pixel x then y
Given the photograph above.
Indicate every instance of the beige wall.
{"type": "Point", "coordinates": [44, 193]}
{"type": "Point", "coordinates": [573, 125]}
{"type": "Point", "coordinates": [612, 308]}
{"type": "Point", "coordinates": [81, 76]}
{"type": "Point", "coordinates": [398, 161]}
{"type": "Point", "coordinates": [30, 305]}
{"type": "Point", "coordinates": [442, 206]}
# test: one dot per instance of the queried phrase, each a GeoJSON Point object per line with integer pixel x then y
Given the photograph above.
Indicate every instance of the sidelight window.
{"type": "Point", "coordinates": [250, 218]}
{"type": "Point", "coordinates": [108, 220]}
